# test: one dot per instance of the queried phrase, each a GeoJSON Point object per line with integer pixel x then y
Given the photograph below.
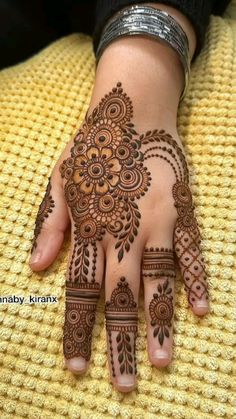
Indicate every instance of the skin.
{"type": "Point", "coordinates": [152, 76]}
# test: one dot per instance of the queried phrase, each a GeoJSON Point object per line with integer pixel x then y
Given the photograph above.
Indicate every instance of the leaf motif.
{"type": "Point", "coordinates": [120, 254]}
{"type": "Point", "coordinates": [161, 337]}
{"type": "Point", "coordinates": [167, 334]}
{"type": "Point", "coordinates": [123, 235]}
{"type": "Point", "coordinates": [122, 368]}
{"type": "Point", "coordinates": [127, 246]}
{"type": "Point", "coordinates": [128, 347]}
{"type": "Point", "coordinates": [169, 291]}
{"type": "Point", "coordinates": [118, 338]}
{"type": "Point", "coordinates": [128, 216]}
{"type": "Point", "coordinates": [86, 252]}
{"type": "Point", "coordinates": [127, 337]}
{"type": "Point", "coordinates": [118, 244]}
{"type": "Point", "coordinates": [159, 288]}
{"type": "Point", "coordinates": [86, 261]}
{"type": "Point", "coordinates": [137, 213]}
{"type": "Point", "coordinates": [130, 358]}
{"type": "Point", "coordinates": [127, 226]}
{"type": "Point", "coordinates": [120, 357]}
{"type": "Point", "coordinates": [136, 222]}
{"type": "Point", "coordinates": [130, 369]}
{"type": "Point", "coordinates": [155, 332]}
{"type": "Point", "coordinates": [135, 231]}
{"type": "Point", "coordinates": [119, 346]}
{"type": "Point", "coordinates": [131, 238]}
{"type": "Point", "coordinates": [85, 270]}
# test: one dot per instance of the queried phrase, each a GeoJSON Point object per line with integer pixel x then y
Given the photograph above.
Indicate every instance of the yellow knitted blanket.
{"type": "Point", "coordinates": [43, 101]}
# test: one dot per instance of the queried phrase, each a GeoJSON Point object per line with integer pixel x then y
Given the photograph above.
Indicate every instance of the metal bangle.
{"type": "Point", "coordinates": [147, 20]}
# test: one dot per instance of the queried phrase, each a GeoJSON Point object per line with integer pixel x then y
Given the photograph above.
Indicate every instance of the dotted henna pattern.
{"type": "Point", "coordinates": [121, 315]}
{"type": "Point", "coordinates": [45, 209]}
{"type": "Point", "coordinates": [186, 238]}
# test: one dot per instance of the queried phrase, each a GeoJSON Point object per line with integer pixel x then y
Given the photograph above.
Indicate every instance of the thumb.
{"type": "Point", "coordinates": [51, 223]}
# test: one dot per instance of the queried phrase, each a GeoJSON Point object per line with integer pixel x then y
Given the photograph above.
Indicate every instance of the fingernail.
{"type": "Point", "coordinates": [161, 354]}
{"type": "Point", "coordinates": [76, 363]}
{"type": "Point", "coordinates": [126, 380]}
{"type": "Point", "coordinates": [201, 304]}
{"type": "Point", "coordinates": [35, 258]}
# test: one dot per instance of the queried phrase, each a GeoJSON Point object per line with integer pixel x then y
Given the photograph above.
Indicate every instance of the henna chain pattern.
{"type": "Point", "coordinates": [121, 314]}
{"type": "Point", "coordinates": [104, 177]}
{"type": "Point", "coordinates": [161, 311]}
{"type": "Point", "coordinates": [158, 263]}
{"type": "Point", "coordinates": [45, 209]}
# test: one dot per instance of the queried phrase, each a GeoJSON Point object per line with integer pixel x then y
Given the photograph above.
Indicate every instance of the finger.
{"type": "Point", "coordinates": [191, 263]}
{"type": "Point", "coordinates": [83, 284]}
{"type": "Point", "coordinates": [121, 314]}
{"type": "Point", "coordinates": [158, 273]}
{"type": "Point", "coordinates": [51, 223]}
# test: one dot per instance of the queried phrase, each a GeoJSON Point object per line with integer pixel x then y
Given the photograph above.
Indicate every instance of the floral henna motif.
{"type": "Point", "coordinates": [161, 311]}
{"type": "Point", "coordinates": [105, 175]}
{"type": "Point", "coordinates": [45, 209]}
{"type": "Point", "coordinates": [121, 315]}
{"type": "Point", "coordinates": [159, 264]}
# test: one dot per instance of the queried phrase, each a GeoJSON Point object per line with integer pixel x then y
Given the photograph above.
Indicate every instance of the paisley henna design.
{"type": "Point", "coordinates": [161, 311]}
{"type": "Point", "coordinates": [45, 209]}
{"type": "Point", "coordinates": [121, 315]}
{"type": "Point", "coordinates": [158, 263]}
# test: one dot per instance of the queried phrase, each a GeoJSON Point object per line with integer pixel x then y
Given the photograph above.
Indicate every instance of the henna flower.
{"type": "Point", "coordinates": [104, 133]}
{"type": "Point", "coordinates": [97, 170]}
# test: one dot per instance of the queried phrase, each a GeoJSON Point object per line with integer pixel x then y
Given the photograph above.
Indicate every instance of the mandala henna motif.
{"type": "Point", "coordinates": [45, 209]}
{"type": "Point", "coordinates": [121, 315]}
{"type": "Point", "coordinates": [161, 311]}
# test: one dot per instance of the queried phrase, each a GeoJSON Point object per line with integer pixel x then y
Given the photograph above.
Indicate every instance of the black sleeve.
{"type": "Point", "coordinates": [198, 12]}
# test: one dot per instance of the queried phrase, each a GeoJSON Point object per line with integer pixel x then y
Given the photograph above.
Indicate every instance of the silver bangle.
{"type": "Point", "coordinates": [147, 20]}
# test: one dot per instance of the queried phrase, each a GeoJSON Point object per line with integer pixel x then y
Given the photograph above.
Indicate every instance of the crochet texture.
{"type": "Point", "coordinates": [43, 101]}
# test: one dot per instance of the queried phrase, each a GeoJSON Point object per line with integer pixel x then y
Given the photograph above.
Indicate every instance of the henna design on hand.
{"type": "Point", "coordinates": [159, 264]}
{"type": "Point", "coordinates": [161, 311]}
{"type": "Point", "coordinates": [186, 234]}
{"type": "Point", "coordinates": [44, 210]}
{"type": "Point", "coordinates": [79, 319]}
{"type": "Point", "coordinates": [104, 177]}
{"type": "Point", "coordinates": [121, 315]}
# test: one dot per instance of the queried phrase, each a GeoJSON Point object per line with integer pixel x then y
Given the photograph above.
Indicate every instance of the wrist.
{"type": "Point", "coordinates": [150, 72]}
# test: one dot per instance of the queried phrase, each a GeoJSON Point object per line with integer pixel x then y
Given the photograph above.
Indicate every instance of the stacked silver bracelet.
{"type": "Point", "coordinates": [147, 20]}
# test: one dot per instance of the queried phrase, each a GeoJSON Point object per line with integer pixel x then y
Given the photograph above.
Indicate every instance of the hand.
{"type": "Point", "coordinates": [127, 195]}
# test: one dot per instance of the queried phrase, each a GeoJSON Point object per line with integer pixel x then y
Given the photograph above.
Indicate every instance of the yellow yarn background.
{"type": "Point", "coordinates": [43, 101]}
